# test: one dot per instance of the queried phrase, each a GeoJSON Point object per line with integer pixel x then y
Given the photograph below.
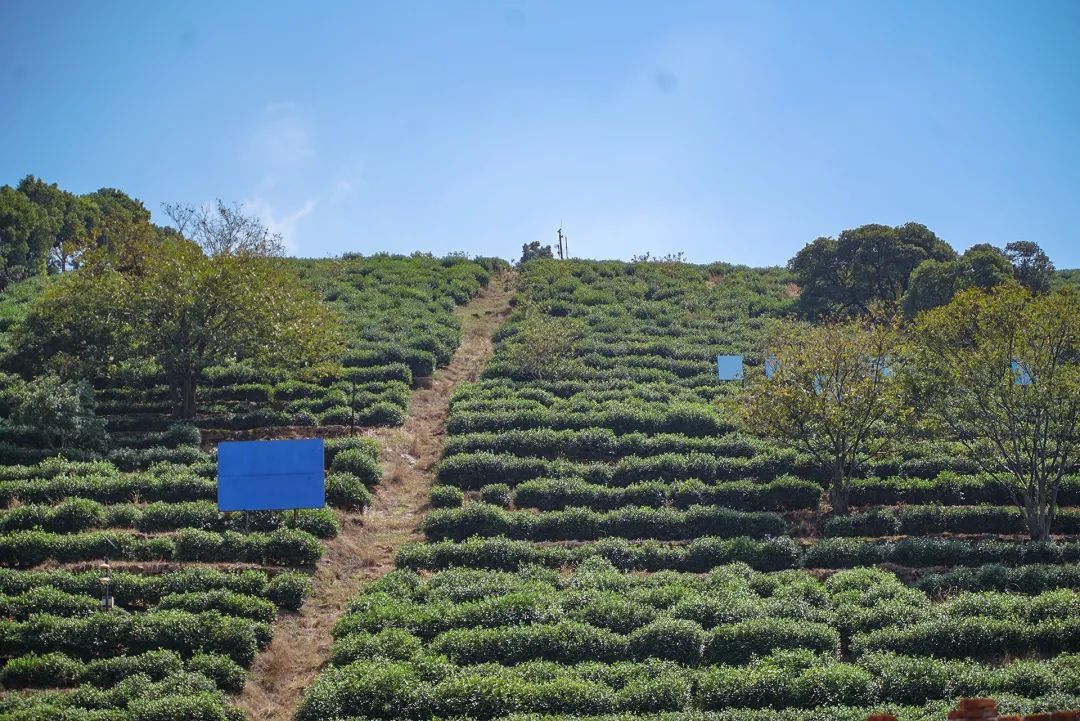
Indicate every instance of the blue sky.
{"type": "Point", "coordinates": [728, 131]}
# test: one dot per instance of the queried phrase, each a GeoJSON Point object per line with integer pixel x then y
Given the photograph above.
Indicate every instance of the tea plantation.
{"type": "Point", "coordinates": [195, 592]}
{"type": "Point", "coordinates": [603, 543]}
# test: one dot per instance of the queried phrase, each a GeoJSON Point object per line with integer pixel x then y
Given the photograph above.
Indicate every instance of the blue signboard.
{"type": "Point", "coordinates": [1021, 374]}
{"type": "Point", "coordinates": [271, 475]}
{"type": "Point", "coordinates": [772, 364]}
{"type": "Point", "coordinates": [729, 367]}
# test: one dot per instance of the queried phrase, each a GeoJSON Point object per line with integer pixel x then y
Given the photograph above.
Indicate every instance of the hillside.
{"type": "Point", "coordinates": [568, 522]}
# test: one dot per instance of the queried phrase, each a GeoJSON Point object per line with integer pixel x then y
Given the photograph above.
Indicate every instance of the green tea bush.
{"type": "Point", "coordinates": [670, 639]}
{"type": "Point", "coordinates": [288, 590]}
{"type": "Point", "coordinates": [446, 497]}
{"type": "Point", "coordinates": [738, 642]}
{"type": "Point", "coordinates": [359, 463]}
{"type": "Point", "coordinates": [566, 642]}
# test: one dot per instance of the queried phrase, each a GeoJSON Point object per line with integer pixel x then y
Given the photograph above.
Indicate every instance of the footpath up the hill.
{"type": "Point", "coordinates": [368, 542]}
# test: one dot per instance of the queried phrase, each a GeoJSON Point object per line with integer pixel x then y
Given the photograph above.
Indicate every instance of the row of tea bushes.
{"type": "Point", "coordinates": [485, 519]}
{"type": "Point", "coordinates": [60, 670]}
{"type": "Point", "coordinates": [283, 547]}
{"type": "Point", "coordinates": [703, 554]}
{"type": "Point", "coordinates": [183, 696]}
{"type": "Point", "coordinates": [786, 493]}
{"type": "Point", "coordinates": [286, 589]}
{"type": "Point", "coordinates": [430, 687]}
{"type": "Point", "coordinates": [80, 514]}
{"type": "Point", "coordinates": [916, 520]}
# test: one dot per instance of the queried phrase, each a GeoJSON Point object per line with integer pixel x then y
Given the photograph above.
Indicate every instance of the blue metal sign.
{"type": "Point", "coordinates": [271, 475]}
{"type": "Point", "coordinates": [1021, 374]}
{"type": "Point", "coordinates": [772, 364]}
{"type": "Point", "coordinates": [729, 367]}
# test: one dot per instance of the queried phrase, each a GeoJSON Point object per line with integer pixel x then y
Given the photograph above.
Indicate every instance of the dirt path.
{"type": "Point", "coordinates": [367, 544]}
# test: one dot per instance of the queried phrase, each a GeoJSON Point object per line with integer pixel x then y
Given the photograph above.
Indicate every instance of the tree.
{"type": "Point", "coordinates": [999, 371]}
{"type": "Point", "coordinates": [225, 230]}
{"type": "Point", "coordinates": [169, 301]}
{"type": "Point", "coordinates": [832, 394]}
{"type": "Point", "coordinates": [24, 241]}
{"type": "Point", "coordinates": [61, 413]}
{"type": "Point", "coordinates": [533, 250]}
{"type": "Point", "coordinates": [1031, 266]}
{"type": "Point", "coordinates": [934, 283]}
{"type": "Point", "coordinates": [863, 266]}
{"type": "Point", "coordinates": [71, 220]}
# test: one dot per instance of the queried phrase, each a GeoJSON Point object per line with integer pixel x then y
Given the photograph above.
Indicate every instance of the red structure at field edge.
{"type": "Point", "coordinates": [985, 709]}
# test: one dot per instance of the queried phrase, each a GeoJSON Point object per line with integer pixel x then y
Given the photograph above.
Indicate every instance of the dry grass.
{"type": "Point", "coordinates": [367, 544]}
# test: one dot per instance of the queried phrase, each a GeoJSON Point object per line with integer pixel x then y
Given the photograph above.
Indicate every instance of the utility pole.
{"type": "Point", "coordinates": [564, 248]}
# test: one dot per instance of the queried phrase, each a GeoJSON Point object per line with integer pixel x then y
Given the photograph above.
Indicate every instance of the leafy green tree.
{"type": "Point", "coordinates": [832, 394]}
{"type": "Point", "coordinates": [1031, 266]}
{"type": "Point", "coordinates": [863, 266]}
{"type": "Point", "coordinates": [533, 250]}
{"type": "Point", "coordinates": [172, 302]}
{"type": "Point", "coordinates": [999, 371]}
{"type": "Point", "coordinates": [60, 412]}
{"type": "Point", "coordinates": [934, 283]}
{"type": "Point", "coordinates": [71, 220]}
{"type": "Point", "coordinates": [24, 238]}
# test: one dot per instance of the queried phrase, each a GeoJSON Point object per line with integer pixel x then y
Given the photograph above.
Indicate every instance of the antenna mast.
{"type": "Point", "coordinates": [564, 248]}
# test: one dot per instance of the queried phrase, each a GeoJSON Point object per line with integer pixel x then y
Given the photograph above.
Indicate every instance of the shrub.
{"type": "Point", "coordinates": [227, 602]}
{"type": "Point", "coordinates": [288, 590]}
{"type": "Point", "coordinates": [497, 494]}
{"type": "Point", "coordinates": [670, 639]}
{"type": "Point", "coordinates": [157, 665]}
{"type": "Point", "coordinates": [565, 642]}
{"type": "Point", "coordinates": [359, 464]}
{"type": "Point", "coordinates": [446, 497]}
{"type": "Point", "coordinates": [346, 491]}
{"type": "Point", "coordinates": [226, 674]}
{"type": "Point", "coordinates": [39, 670]}
{"type": "Point", "coordinates": [382, 414]}
{"type": "Point", "coordinates": [391, 644]}
{"type": "Point", "coordinates": [739, 642]}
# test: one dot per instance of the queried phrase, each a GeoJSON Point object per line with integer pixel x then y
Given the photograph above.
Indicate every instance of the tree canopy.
{"type": "Point", "coordinates": [861, 266]}
{"type": "Point", "coordinates": [906, 265]}
{"type": "Point", "coordinates": [934, 283]}
{"type": "Point", "coordinates": [830, 395]}
{"type": "Point", "coordinates": [999, 372]}
{"type": "Point", "coordinates": [533, 250]}
{"type": "Point", "coordinates": [46, 229]}
{"type": "Point", "coordinates": [170, 302]}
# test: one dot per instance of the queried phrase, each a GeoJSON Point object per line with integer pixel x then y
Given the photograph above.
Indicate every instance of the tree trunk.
{"type": "Point", "coordinates": [838, 492]}
{"type": "Point", "coordinates": [1036, 516]}
{"type": "Point", "coordinates": [189, 396]}
{"type": "Point", "coordinates": [184, 396]}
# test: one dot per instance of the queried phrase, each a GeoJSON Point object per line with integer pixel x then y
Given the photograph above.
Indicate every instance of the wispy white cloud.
{"type": "Point", "coordinates": [278, 220]}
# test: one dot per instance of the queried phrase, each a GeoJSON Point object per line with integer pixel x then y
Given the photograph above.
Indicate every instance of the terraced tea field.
{"type": "Point", "coordinates": [598, 539]}
{"type": "Point", "coordinates": [197, 594]}
{"type": "Point", "coordinates": [604, 542]}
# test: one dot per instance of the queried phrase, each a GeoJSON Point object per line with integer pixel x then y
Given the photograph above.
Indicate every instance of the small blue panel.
{"type": "Point", "coordinates": [1021, 374]}
{"type": "Point", "coordinates": [271, 475]}
{"type": "Point", "coordinates": [772, 364]}
{"type": "Point", "coordinates": [729, 367]}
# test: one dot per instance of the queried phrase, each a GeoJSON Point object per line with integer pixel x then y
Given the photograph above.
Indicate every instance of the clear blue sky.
{"type": "Point", "coordinates": [729, 131]}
